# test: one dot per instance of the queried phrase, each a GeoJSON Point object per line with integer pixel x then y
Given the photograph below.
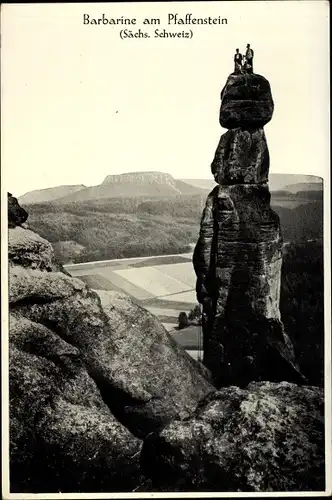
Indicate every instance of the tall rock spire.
{"type": "Point", "coordinates": [238, 255]}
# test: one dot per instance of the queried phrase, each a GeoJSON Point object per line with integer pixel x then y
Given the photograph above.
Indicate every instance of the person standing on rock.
{"type": "Point", "coordinates": [238, 62]}
{"type": "Point", "coordinates": [249, 59]}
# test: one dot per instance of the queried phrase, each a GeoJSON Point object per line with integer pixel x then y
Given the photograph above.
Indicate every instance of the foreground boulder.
{"type": "Point", "coordinates": [268, 437]}
{"type": "Point", "coordinates": [62, 434]}
{"type": "Point", "coordinates": [86, 382]}
{"type": "Point", "coordinates": [238, 255]}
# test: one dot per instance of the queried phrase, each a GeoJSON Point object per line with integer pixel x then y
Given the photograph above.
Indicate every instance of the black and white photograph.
{"type": "Point", "coordinates": [165, 250]}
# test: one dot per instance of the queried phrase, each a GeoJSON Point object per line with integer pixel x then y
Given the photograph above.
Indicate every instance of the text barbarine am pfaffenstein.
{"type": "Point", "coordinates": [131, 27]}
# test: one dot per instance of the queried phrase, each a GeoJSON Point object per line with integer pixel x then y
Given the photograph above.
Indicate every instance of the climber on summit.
{"type": "Point", "coordinates": [238, 62]}
{"type": "Point", "coordinates": [249, 59]}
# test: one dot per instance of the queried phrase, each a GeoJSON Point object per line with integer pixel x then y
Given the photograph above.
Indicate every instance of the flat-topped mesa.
{"type": "Point", "coordinates": [246, 102]}
{"type": "Point", "coordinates": [139, 177]}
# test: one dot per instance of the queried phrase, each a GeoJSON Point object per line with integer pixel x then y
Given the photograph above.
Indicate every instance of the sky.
{"type": "Point", "coordinates": [80, 103]}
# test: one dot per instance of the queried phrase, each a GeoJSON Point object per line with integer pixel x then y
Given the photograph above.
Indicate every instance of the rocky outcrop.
{"type": "Point", "coordinates": [238, 262]}
{"type": "Point", "coordinates": [268, 437]}
{"type": "Point", "coordinates": [126, 350]}
{"type": "Point", "coordinates": [87, 382]}
{"type": "Point", "coordinates": [101, 397]}
{"type": "Point", "coordinates": [49, 194]}
{"type": "Point", "coordinates": [162, 379]}
{"type": "Point", "coordinates": [238, 255]}
{"type": "Point", "coordinates": [103, 400]}
{"type": "Point", "coordinates": [63, 437]}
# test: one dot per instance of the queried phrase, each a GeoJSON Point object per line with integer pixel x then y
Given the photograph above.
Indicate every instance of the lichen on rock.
{"type": "Point", "coordinates": [89, 378]}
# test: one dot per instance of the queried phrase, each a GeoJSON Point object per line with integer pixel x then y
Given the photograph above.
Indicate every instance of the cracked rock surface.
{"type": "Point", "coordinates": [246, 102]}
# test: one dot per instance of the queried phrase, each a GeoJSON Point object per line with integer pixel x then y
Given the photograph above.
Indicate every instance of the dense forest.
{"type": "Point", "coordinates": [137, 227]}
